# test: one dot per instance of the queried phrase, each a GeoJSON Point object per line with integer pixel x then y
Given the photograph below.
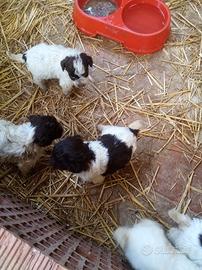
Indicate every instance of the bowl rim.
{"type": "Point", "coordinates": [120, 10]}
{"type": "Point", "coordinates": [165, 27]}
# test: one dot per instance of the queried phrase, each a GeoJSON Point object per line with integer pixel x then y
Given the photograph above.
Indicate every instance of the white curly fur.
{"type": "Point", "coordinates": [15, 138]}
{"type": "Point", "coordinates": [16, 145]}
{"type": "Point", "coordinates": [97, 167]}
{"type": "Point", "coordinates": [186, 236]}
{"type": "Point", "coordinates": [44, 62]}
{"type": "Point", "coordinates": [146, 247]}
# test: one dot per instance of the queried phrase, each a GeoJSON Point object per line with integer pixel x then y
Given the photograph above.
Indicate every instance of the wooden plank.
{"type": "Point", "coordinates": [16, 254]}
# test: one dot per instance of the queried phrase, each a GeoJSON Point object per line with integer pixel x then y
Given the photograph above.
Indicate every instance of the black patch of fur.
{"type": "Point", "coordinates": [87, 61]}
{"type": "Point", "coordinates": [24, 57]}
{"type": "Point", "coordinates": [72, 154]}
{"type": "Point", "coordinates": [135, 131]}
{"type": "Point", "coordinates": [47, 129]}
{"type": "Point", "coordinates": [67, 64]}
{"type": "Point", "coordinates": [200, 239]}
{"type": "Point", "coordinates": [119, 153]}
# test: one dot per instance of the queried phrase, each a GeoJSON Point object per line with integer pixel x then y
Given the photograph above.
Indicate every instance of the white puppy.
{"type": "Point", "coordinates": [146, 247]}
{"type": "Point", "coordinates": [69, 66]}
{"type": "Point", "coordinates": [188, 236]}
{"type": "Point", "coordinates": [93, 160]}
{"type": "Point", "coordinates": [23, 144]}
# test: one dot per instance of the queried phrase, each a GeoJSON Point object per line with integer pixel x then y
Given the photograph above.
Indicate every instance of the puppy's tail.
{"type": "Point", "coordinates": [136, 126]}
{"type": "Point", "coordinates": [20, 58]}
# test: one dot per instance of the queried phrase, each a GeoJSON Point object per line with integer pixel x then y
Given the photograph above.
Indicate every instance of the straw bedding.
{"type": "Point", "coordinates": [163, 89]}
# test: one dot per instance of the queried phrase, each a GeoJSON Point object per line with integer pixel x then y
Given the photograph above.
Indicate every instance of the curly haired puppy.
{"type": "Point", "coordinates": [93, 160]}
{"type": "Point", "coordinates": [23, 144]}
{"type": "Point", "coordinates": [69, 66]}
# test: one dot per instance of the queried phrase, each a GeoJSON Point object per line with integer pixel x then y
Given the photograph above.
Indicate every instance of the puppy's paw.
{"type": "Point", "coordinates": [66, 92]}
{"type": "Point", "coordinates": [98, 179]}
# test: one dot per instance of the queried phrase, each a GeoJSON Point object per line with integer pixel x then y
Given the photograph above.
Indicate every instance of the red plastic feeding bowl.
{"type": "Point", "coordinates": [142, 26]}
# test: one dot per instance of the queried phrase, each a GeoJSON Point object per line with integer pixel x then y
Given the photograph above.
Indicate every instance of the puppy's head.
{"type": "Point", "coordinates": [77, 68]}
{"type": "Point", "coordinates": [72, 154]}
{"type": "Point", "coordinates": [47, 129]}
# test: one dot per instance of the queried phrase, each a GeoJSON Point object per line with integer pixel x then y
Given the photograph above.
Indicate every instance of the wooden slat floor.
{"type": "Point", "coordinates": [15, 254]}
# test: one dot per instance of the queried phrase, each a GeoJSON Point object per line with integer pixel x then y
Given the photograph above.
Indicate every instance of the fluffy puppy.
{"type": "Point", "coordinates": [188, 236]}
{"type": "Point", "coordinates": [69, 66]}
{"type": "Point", "coordinates": [146, 247]}
{"type": "Point", "coordinates": [93, 160]}
{"type": "Point", "coordinates": [23, 144]}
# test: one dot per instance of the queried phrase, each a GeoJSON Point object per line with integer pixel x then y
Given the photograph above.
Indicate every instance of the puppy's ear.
{"type": "Point", "coordinates": [78, 155]}
{"type": "Point", "coordinates": [87, 60]}
{"type": "Point", "coordinates": [48, 122]}
{"type": "Point", "coordinates": [78, 141]}
{"type": "Point", "coordinates": [67, 63]}
{"type": "Point", "coordinates": [135, 131]}
{"type": "Point", "coordinates": [47, 129]}
{"type": "Point", "coordinates": [62, 63]}
{"type": "Point", "coordinates": [54, 128]}
{"type": "Point", "coordinates": [35, 119]}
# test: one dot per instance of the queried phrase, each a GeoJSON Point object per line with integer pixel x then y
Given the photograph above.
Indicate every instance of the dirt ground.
{"type": "Point", "coordinates": [163, 89]}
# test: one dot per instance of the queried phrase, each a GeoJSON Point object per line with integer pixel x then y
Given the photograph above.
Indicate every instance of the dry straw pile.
{"type": "Point", "coordinates": [164, 89]}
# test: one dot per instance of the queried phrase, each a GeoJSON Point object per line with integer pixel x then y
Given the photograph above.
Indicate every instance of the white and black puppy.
{"type": "Point", "coordinates": [93, 160]}
{"type": "Point", "coordinates": [23, 144]}
{"type": "Point", "coordinates": [69, 66]}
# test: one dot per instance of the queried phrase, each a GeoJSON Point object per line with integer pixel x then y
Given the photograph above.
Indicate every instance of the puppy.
{"type": "Point", "coordinates": [93, 160]}
{"type": "Point", "coordinates": [188, 236]}
{"type": "Point", "coordinates": [69, 66]}
{"type": "Point", "coordinates": [23, 144]}
{"type": "Point", "coordinates": [146, 247]}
